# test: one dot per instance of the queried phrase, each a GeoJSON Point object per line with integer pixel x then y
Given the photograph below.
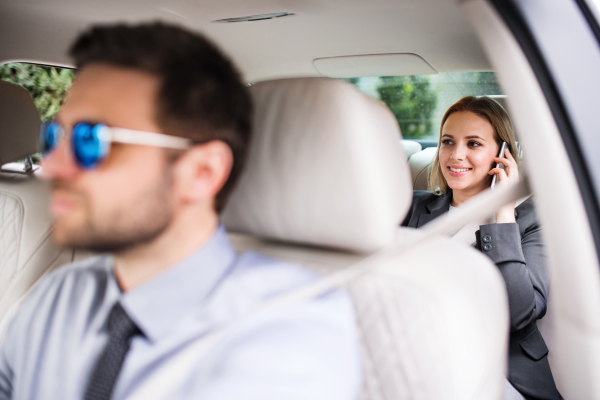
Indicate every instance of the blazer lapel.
{"type": "Point", "coordinates": [436, 208]}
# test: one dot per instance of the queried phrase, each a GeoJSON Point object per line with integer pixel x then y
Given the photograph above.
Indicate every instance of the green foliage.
{"type": "Point", "coordinates": [46, 85]}
{"type": "Point", "coordinates": [413, 102]}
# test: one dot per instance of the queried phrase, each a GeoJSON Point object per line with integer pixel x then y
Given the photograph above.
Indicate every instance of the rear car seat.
{"type": "Point", "coordinates": [419, 164]}
{"type": "Point", "coordinates": [26, 250]}
{"type": "Point", "coordinates": [326, 185]}
{"type": "Point", "coordinates": [410, 147]}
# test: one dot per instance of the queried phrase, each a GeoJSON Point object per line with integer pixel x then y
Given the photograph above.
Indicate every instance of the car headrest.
{"type": "Point", "coordinates": [19, 123]}
{"type": "Point", "coordinates": [411, 147]}
{"type": "Point", "coordinates": [325, 168]}
{"type": "Point", "coordinates": [419, 167]}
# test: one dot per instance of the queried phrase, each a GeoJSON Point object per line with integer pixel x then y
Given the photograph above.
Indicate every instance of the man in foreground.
{"type": "Point", "coordinates": [142, 158]}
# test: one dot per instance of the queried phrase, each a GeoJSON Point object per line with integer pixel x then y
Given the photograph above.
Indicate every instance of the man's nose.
{"type": "Point", "coordinates": [59, 164]}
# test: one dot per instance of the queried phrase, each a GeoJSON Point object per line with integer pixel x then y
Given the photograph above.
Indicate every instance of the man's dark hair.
{"type": "Point", "coordinates": [201, 97]}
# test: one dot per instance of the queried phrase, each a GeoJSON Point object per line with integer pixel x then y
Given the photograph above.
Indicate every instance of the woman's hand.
{"type": "Point", "coordinates": [508, 175]}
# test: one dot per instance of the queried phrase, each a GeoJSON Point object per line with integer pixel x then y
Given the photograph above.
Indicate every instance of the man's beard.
{"type": "Point", "coordinates": [127, 227]}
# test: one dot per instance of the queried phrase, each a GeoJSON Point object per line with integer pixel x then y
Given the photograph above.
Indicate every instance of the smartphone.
{"type": "Point", "coordinates": [499, 165]}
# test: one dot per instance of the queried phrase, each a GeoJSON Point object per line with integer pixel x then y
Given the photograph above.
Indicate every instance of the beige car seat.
{"type": "Point", "coordinates": [419, 167]}
{"type": "Point", "coordinates": [326, 185]}
{"type": "Point", "coordinates": [26, 251]}
{"type": "Point", "coordinates": [410, 147]}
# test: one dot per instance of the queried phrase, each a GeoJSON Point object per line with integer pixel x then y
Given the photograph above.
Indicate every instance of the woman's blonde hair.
{"type": "Point", "coordinates": [486, 108]}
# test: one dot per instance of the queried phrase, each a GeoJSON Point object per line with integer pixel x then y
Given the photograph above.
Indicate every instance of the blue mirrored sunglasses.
{"type": "Point", "coordinates": [90, 142]}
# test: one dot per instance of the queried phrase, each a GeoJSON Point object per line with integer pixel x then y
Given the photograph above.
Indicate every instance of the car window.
{"type": "Point", "coordinates": [47, 86]}
{"type": "Point", "coordinates": [420, 101]}
{"type": "Point", "coordinates": [595, 6]}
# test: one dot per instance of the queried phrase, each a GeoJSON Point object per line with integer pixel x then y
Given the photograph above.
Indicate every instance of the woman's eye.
{"type": "Point", "coordinates": [473, 143]}
{"type": "Point", "coordinates": [446, 142]}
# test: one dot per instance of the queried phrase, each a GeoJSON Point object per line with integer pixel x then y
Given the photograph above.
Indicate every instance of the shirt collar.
{"type": "Point", "coordinates": [165, 300]}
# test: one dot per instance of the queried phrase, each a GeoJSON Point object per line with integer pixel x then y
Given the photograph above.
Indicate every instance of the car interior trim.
{"type": "Point", "coordinates": [259, 17]}
{"type": "Point", "coordinates": [570, 327]}
{"type": "Point", "coordinates": [394, 64]}
{"type": "Point", "coordinates": [511, 15]}
{"type": "Point", "coordinates": [590, 18]}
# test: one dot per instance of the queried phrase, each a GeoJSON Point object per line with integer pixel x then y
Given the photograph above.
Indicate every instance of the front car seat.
{"type": "Point", "coordinates": [327, 185]}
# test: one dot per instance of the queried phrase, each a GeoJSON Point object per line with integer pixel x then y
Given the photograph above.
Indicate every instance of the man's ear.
{"type": "Point", "coordinates": [202, 171]}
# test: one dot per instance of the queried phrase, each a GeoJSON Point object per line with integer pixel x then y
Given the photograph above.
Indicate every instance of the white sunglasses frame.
{"type": "Point", "coordinates": [132, 136]}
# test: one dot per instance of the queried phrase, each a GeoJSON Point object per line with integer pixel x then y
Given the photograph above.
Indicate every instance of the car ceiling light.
{"type": "Point", "coordinates": [259, 17]}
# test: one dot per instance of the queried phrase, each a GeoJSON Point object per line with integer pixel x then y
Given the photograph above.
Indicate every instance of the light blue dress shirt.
{"type": "Point", "coordinates": [306, 351]}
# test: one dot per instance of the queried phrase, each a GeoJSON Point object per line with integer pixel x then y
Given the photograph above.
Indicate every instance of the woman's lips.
{"type": "Point", "coordinates": [458, 171]}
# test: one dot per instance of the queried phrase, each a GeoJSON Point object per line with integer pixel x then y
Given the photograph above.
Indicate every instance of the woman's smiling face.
{"type": "Point", "coordinates": [467, 152]}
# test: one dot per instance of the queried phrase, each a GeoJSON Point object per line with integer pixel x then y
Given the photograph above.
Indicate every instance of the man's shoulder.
{"type": "Point", "coordinates": [300, 337]}
{"type": "Point", "coordinates": [81, 269]}
{"type": "Point", "coordinates": [260, 337]}
{"type": "Point", "coordinates": [270, 276]}
{"type": "Point", "coordinates": [256, 279]}
{"type": "Point", "coordinates": [67, 281]}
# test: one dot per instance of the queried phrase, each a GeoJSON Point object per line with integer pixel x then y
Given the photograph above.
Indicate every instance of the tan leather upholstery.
{"type": "Point", "coordinates": [410, 147]}
{"type": "Point", "coordinates": [434, 320]}
{"type": "Point", "coordinates": [419, 167]}
{"type": "Point", "coordinates": [26, 251]}
{"type": "Point", "coordinates": [322, 137]}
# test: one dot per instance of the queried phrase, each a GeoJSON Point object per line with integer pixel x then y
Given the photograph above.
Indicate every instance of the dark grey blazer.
{"type": "Point", "coordinates": [518, 251]}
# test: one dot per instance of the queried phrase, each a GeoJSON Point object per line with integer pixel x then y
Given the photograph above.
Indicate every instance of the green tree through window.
{"type": "Point", "coordinates": [47, 86]}
{"type": "Point", "coordinates": [412, 100]}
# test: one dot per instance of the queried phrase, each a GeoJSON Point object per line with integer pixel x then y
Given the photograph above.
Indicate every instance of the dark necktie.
{"type": "Point", "coordinates": [121, 330]}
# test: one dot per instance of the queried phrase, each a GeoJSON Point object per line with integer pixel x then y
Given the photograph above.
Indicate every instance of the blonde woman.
{"type": "Point", "coordinates": [472, 132]}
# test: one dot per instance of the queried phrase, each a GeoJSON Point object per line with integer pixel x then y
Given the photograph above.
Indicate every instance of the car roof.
{"type": "Point", "coordinates": [436, 30]}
